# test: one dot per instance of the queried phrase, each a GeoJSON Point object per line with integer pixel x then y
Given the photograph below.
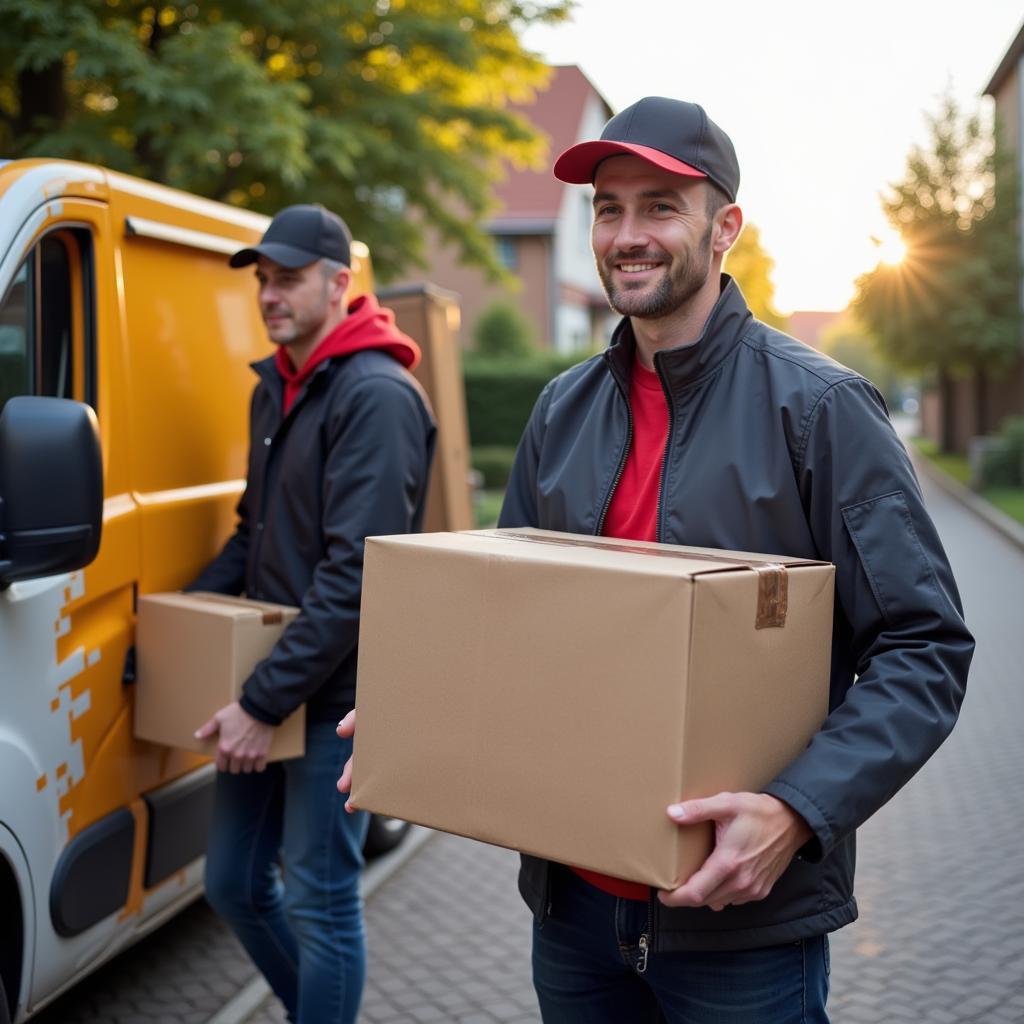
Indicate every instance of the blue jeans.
{"type": "Point", "coordinates": [586, 954]}
{"type": "Point", "coordinates": [304, 931]}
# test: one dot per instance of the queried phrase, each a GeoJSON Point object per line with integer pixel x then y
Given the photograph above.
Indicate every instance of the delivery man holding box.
{"type": "Point", "coordinates": [701, 426]}
{"type": "Point", "coordinates": [340, 446]}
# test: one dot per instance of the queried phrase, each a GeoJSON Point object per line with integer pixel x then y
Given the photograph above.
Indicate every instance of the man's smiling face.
{"type": "Point", "coordinates": [651, 236]}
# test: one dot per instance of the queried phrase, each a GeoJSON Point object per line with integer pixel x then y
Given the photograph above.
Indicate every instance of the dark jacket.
{"type": "Point", "coordinates": [775, 448]}
{"type": "Point", "coordinates": [350, 460]}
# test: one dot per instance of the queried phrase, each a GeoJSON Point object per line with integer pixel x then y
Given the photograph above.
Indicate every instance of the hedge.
{"type": "Point", "coordinates": [494, 464]}
{"type": "Point", "coordinates": [500, 395]}
{"type": "Point", "coordinates": [1003, 462]}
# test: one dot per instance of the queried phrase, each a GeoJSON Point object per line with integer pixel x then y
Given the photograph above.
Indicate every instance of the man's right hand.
{"type": "Point", "coordinates": [346, 730]}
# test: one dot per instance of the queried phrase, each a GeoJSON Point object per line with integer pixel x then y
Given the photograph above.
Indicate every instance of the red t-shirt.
{"type": "Point", "coordinates": [633, 515]}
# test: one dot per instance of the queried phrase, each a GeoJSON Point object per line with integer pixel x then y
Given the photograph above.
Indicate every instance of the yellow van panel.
{"type": "Point", "coordinates": [191, 328]}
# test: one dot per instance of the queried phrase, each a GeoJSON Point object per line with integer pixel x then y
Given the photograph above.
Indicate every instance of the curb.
{"type": "Point", "coordinates": [996, 518]}
{"type": "Point", "coordinates": [243, 1004]}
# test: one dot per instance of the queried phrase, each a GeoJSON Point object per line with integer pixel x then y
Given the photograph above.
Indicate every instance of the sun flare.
{"type": "Point", "coordinates": [891, 248]}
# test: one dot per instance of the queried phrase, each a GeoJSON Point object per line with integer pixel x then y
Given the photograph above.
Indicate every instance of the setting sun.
{"type": "Point", "coordinates": [891, 248]}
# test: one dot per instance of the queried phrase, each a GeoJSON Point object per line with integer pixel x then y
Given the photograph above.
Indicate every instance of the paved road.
{"type": "Point", "coordinates": [940, 882]}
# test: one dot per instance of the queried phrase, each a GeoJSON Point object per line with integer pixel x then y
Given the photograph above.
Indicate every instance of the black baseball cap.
{"type": "Point", "coordinates": [671, 134]}
{"type": "Point", "coordinates": [298, 236]}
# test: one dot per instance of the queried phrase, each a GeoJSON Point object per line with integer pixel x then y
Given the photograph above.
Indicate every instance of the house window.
{"type": "Point", "coordinates": [507, 248]}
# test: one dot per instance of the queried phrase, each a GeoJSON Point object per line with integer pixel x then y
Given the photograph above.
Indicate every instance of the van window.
{"type": "Point", "coordinates": [43, 320]}
{"type": "Point", "coordinates": [55, 344]}
{"type": "Point", "coordinates": [14, 334]}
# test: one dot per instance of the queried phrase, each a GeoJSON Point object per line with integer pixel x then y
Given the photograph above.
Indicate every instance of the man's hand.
{"type": "Point", "coordinates": [346, 730]}
{"type": "Point", "coordinates": [756, 836]}
{"type": "Point", "coordinates": [244, 742]}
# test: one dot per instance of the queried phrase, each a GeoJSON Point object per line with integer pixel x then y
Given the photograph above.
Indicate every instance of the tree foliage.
{"type": "Point", "coordinates": [502, 331]}
{"type": "Point", "coordinates": [952, 304]}
{"type": "Point", "coordinates": [751, 266]}
{"type": "Point", "coordinates": [392, 112]}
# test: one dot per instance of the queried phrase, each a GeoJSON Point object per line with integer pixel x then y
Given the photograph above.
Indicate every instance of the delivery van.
{"type": "Point", "coordinates": [125, 343]}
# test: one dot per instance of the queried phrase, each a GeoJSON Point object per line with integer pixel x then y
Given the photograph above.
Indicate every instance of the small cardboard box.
{"type": "Point", "coordinates": [193, 652]}
{"type": "Point", "coordinates": [554, 693]}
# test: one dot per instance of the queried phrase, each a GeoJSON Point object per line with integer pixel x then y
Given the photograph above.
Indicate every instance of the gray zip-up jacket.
{"type": "Point", "coordinates": [775, 448]}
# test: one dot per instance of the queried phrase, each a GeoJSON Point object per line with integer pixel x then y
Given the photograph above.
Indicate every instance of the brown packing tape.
{"type": "Point", "coordinates": [772, 596]}
{"type": "Point", "coordinates": [772, 582]}
{"type": "Point", "coordinates": [272, 616]}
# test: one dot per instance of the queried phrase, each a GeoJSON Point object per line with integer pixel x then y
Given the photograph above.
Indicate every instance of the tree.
{"type": "Point", "coordinates": [752, 268]}
{"type": "Point", "coordinates": [951, 306]}
{"type": "Point", "coordinates": [392, 112]}
{"type": "Point", "coordinates": [501, 331]}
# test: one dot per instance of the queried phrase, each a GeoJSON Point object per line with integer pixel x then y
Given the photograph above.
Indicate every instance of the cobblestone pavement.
{"type": "Point", "coordinates": [449, 942]}
{"type": "Point", "coordinates": [941, 868]}
{"type": "Point", "coordinates": [181, 974]}
{"type": "Point", "coordinates": [940, 883]}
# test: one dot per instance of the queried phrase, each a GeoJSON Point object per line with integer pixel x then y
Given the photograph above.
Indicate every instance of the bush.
{"type": "Point", "coordinates": [1003, 462]}
{"type": "Point", "coordinates": [500, 394]}
{"type": "Point", "coordinates": [501, 331]}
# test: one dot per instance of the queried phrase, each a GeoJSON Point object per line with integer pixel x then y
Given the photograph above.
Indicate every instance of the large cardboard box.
{"type": "Point", "coordinates": [554, 693]}
{"type": "Point", "coordinates": [193, 653]}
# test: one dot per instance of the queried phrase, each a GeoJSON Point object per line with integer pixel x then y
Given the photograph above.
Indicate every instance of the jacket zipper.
{"type": "Point", "coordinates": [641, 964]}
{"type": "Point", "coordinates": [622, 461]}
{"type": "Point", "coordinates": [658, 532]}
{"type": "Point", "coordinates": [259, 526]}
{"type": "Point", "coordinates": [264, 499]}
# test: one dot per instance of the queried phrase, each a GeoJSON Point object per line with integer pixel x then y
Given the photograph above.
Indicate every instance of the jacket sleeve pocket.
{"type": "Point", "coordinates": [891, 554]}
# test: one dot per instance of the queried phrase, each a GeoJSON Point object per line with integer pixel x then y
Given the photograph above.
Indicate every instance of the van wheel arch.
{"type": "Point", "coordinates": [11, 942]}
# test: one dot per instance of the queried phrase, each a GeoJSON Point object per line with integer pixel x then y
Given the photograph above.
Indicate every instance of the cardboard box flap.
{"type": "Point", "coordinates": [230, 607]}
{"type": "Point", "coordinates": [706, 559]}
{"type": "Point", "coordinates": [773, 586]}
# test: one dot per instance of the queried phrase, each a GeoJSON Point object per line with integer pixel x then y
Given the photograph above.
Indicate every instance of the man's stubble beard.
{"type": "Point", "coordinates": [672, 292]}
{"type": "Point", "coordinates": [302, 326]}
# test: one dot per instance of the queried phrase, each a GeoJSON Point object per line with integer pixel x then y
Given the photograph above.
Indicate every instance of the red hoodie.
{"type": "Point", "coordinates": [367, 325]}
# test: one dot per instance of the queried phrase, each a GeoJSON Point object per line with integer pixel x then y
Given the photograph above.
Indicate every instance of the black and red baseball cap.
{"type": "Point", "coordinates": [671, 134]}
{"type": "Point", "coordinates": [300, 235]}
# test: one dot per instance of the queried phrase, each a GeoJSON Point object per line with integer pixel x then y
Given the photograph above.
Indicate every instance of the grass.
{"type": "Point", "coordinates": [1007, 499]}
{"type": "Point", "coordinates": [955, 466]}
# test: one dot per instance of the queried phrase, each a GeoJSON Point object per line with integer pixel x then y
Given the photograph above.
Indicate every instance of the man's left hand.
{"type": "Point", "coordinates": [244, 742]}
{"type": "Point", "coordinates": [756, 836]}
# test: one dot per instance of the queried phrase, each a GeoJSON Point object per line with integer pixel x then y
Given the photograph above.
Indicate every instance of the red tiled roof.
{"type": "Point", "coordinates": [528, 194]}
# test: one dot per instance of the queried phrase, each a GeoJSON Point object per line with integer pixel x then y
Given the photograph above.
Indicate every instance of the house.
{"type": "Point", "coordinates": [1003, 395]}
{"type": "Point", "coordinates": [541, 229]}
{"type": "Point", "coordinates": [812, 325]}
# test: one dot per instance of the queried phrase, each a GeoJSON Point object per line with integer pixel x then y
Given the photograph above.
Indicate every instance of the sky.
{"type": "Point", "coordinates": [823, 102]}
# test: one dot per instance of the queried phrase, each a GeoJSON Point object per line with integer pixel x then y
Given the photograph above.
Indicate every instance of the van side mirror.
{"type": "Point", "coordinates": [51, 487]}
